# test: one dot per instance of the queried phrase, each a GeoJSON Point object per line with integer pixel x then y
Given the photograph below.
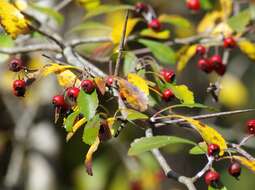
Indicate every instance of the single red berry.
{"type": "Point", "coordinates": [168, 75]}
{"type": "Point", "coordinates": [141, 8]}
{"type": "Point", "coordinates": [229, 42]}
{"type": "Point", "coordinates": [136, 185]}
{"type": "Point", "coordinates": [72, 93]}
{"type": "Point", "coordinates": [19, 87]}
{"type": "Point", "coordinates": [167, 94]}
{"type": "Point", "coordinates": [155, 24]}
{"type": "Point", "coordinates": [212, 178]}
{"type": "Point", "coordinates": [251, 126]}
{"type": "Point", "coordinates": [213, 150]}
{"type": "Point", "coordinates": [88, 86]}
{"type": "Point", "coordinates": [15, 65]}
{"type": "Point", "coordinates": [221, 69]}
{"type": "Point", "coordinates": [109, 81]}
{"type": "Point", "coordinates": [235, 169]}
{"type": "Point", "coordinates": [58, 101]}
{"type": "Point", "coordinates": [193, 5]}
{"type": "Point", "coordinates": [205, 65]}
{"type": "Point", "coordinates": [200, 50]}
{"type": "Point", "coordinates": [216, 61]}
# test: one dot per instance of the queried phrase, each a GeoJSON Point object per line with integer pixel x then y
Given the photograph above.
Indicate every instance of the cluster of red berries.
{"type": "Point", "coordinates": [19, 86]}
{"type": "Point", "coordinates": [169, 76]}
{"type": "Point", "coordinates": [143, 9]}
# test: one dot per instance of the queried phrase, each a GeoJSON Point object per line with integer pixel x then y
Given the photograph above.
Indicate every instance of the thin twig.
{"type": "Point", "coordinates": [62, 4]}
{"type": "Point", "coordinates": [121, 46]}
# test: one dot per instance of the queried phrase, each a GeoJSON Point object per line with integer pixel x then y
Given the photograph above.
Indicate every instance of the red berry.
{"type": "Point", "coordinates": [88, 86]}
{"type": "Point", "coordinates": [193, 5]}
{"type": "Point", "coordinates": [251, 126]}
{"type": "Point", "coordinates": [72, 93]}
{"type": "Point", "coordinates": [213, 150]}
{"type": "Point", "coordinates": [167, 94]}
{"type": "Point", "coordinates": [109, 81]}
{"type": "Point", "coordinates": [136, 185]}
{"type": "Point", "coordinates": [229, 42]}
{"type": "Point", "coordinates": [235, 169]}
{"type": "Point", "coordinates": [19, 87]}
{"type": "Point", "coordinates": [141, 7]}
{"type": "Point", "coordinates": [200, 50]}
{"type": "Point", "coordinates": [154, 24]}
{"type": "Point", "coordinates": [205, 65]}
{"type": "Point", "coordinates": [216, 61]}
{"type": "Point", "coordinates": [168, 75]}
{"type": "Point", "coordinates": [59, 101]}
{"type": "Point", "coordinates": [212, 178]}
{"type": "Point", "coordinates": [15, 65]}
{"type": "Point", "coordinates": [221, 69]}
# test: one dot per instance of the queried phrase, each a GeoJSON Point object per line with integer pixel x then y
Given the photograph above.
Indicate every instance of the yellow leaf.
{"type": "Point", "coordinates": [136, 98]}
{"type": "Point", "coordinates": [250, 164]}
{"type": "Point", "coordinates": [247, 47]}
{"type": "Point", "coordinates": [21, 4]}
{"type": "Point", "coordinates": [89, 4]}
{"type": "Point", "coordinates": [139, 82]}
{"type": "Point", "coordinates": [209, 134]}
{"type": "Point", "coordinates": [182, 93]}
{"type": "Point", "coordinates": [231, 86]}
{"type": "Point", "coordinates": [67, 79]}
{"type": "Point", "coordinates": [76, 126]}
{"type": "Point", "coordinates": [209, 21]}
{"type": "Point", "coordinates": [226, 7]}
{"type": "Point", "coordinates": [222, 29]}
{"type": "Point", "coordinates": [158, 35]}
{"type": "Point", "coordinates": [12, 20]}
{"type": "Point", "coordinates": [118, 28]}
{"type": "Point", "coordinates": [88, 159]}
{"type": "Point", "coordinates": [56, 68]}
{"type": "Point", "coordinates": [185, 57]}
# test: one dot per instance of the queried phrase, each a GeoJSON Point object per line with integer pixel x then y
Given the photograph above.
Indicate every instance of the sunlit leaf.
{"type": "Point", "coordinates": [247, 47]}
{"type": "Point", "coordinates": [55, 68]}
{"type": "Point", "coordinates": [226, 7]}
{"type": "Point", "coordinates": [185, 57]}
{"type": "Point", "coordinates": [88, 104]}
{"type": "Point", "coordinates": [76, 126]}
{"type": "Point", "coordinates": [161, 51]}
{"type": "Point", "coordinates": [130, 62]}
{"type": "Point", "coordinates": [240, 21]}
{"type": "Point", "coordinates": [209, 134]}
{"type": "Point", "coordinates": [5, 42]}
{"type": "Point", "coordinates": [134, 115]}
{"type": "Point", "coordinates": [199, 149]}
{"type": "Point", "coordinates": [67, 78]}
{"type": "Point", "coordinates": [69, 122]}
{"type": "Point", "coordinates": [206, 4]}
{"type": "Point", "coordinates": [91, 130]}
{"type": "Point", "coordinates": [88, 160]}
{"type": "Point", "coordinates": [139, 82]}
{"type": "Point", "coordinates": [175, 20]}
{"type": "Point", "coordinates": [90, 25]}
{"type": "Point", "coordinates": [103, 9]}
{"type": "Point", "coordinates": [148, 143]}
{"type": "Point", "coordinates": [162, 35]}
{"type": "Point", "coordinates": [89, 4]}
{"type": "Point", "coordinates": [209, 21]}
{"type": "Point", "coordinates": [58, 17]}
{"type": "Point", "coordinates": [12, 20]}
{"type": "Point", "coordinates": [211, 188]}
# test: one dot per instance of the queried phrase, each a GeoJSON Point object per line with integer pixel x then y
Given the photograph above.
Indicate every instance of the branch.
{"type": "Point", "coordinates": [168, 171]}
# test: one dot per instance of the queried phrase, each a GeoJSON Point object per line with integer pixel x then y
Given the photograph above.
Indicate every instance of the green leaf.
{"type": "Point", "coordinates": [58, 17]}
{"type": "Point", "coordinates": [134, 115]}
{"type": "Point", "coordinates": [211, 188]}
{"type": "Point", "coordinates": [5, 42]}
{"type": "Point", "coordinates": [175, 20]}
{"type": "Point", "coordinates": [130, 61]}
{"type": "Point", "coordinates": [182, 93]}
{"type": "Point", "coordinates": [239, 21]}
{"type": "Point", "coordinates": [163, 35]}
{"type": "Point", "coordinates": [87, 104]}
{"type": "Point", "coordinates": [91, 130]}
{"type": "Point", "coordinates": [103, 9]}
{"type": "Point", "coordinates": [70, 120]}
{"type": "Point", "coordinates": [161, 51]}
{"type": "Point", "coordinates": [90, 26]}
{"type": "Point", "coordinates": [252, 11]}
{"type": "Point", "coordinates": [148, 143]}
{"type": "Point", "coordinates": [206, 4]}
{"type": "Point", "coordinates": [199, 149]}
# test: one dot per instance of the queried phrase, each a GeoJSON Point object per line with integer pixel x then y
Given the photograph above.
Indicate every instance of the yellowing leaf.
{"type": "Point", "coordinates": [185, 57]}
{"type": "Point", "coordinates": [118, 28]}
{"type": "Point", "coordinates": [21, 4]}
{"type": "Point", "coordinates": [139, 82]}
{"type": "Point", "coordinates": [209, 21]}
{"type": "Point", "coordinates": [182, 93]}
{"type": "Point", "coordinates": [231, 86]}
{"type": "Point", "coordinates": [12, 20]}
{"type": "Point", "coordinates": [165, 34]}
{"type": "Point", "coordinates": [209, 134]}
{"type": "Point", "coordinates": [56, 68]}
{"type": "Point", "coordinates": [250, 164]}
{"type": "Point", "coordinates": [76, 126]}
{"type": "Point", "coordinates": [247, 47]}
{"type": "Point", "coordinates": [88, 159]}
{"type": "Point", "coordinates": [67, 79]}
{"type": "Point", "coordinates": [175, 20]}
{"type": "Point", "coordinates": [136, 98]}
{"type": "Point", "coordinates": [222, 29]}
{"type": "Point", "coordinates": [226, 7]}
{"type": "Point", "coordinates": [89, 4]}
